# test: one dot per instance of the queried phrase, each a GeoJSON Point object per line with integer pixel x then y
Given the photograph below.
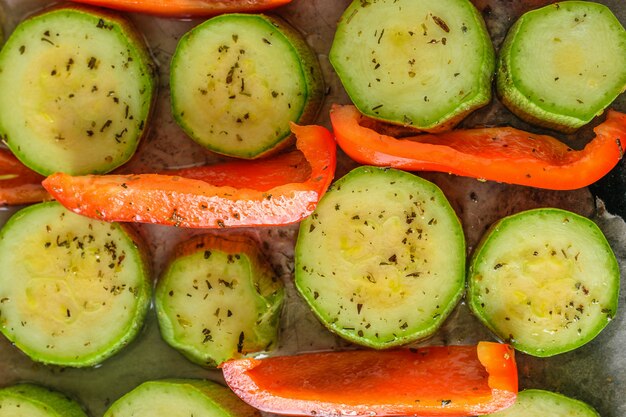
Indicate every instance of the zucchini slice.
{"type": "Point", "coordinates": [544, 280]}
{"type": "Point", "coordinates": [425, 64]}
{"type": "Point", "coordinates": [237, 80]}
{"type": "Point", "coordinates": [219, 299]}
{"type": "Point", "coordinates": [73, 291]}
{"type": "Point", "coordinates": [540, 403]}
{"type": "Point", "coordinates": [563, 64]}
{"type": "Point", "coordinates": [28, 400]}
{"type": "Point", "coordinates": [180, 398]}
{"type": "Point", "coordinates": [369, 263]}
{"type": "Point", "coordinates": [76, 89]}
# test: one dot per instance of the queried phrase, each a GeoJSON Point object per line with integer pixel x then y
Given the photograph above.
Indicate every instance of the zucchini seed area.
{"type": "Point", "coordinates": [237, 82]}
{"type": "Point", "coordinates": [369, 259]}
{"type": "Point", "coordinates": [214, 305]}
{"type": "Point", "coordinates": [75, 93]}
{"type": "Point", "coordinates": [419, 63]}
{"type": "Point", "coordinates": [545, 281]}
{"type": "Point", "coordinates": [72, 290]}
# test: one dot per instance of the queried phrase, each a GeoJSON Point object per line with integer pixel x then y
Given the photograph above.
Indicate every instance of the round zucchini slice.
{"type": "Point", "coordinates": [563, 64]}
{"type": "Point", "coordinates": [219, 299]}
{"type": "Point", "coordinates": [76, 90]}
{"type": "Point", "coordinates": [28, 400]}
{"type": "Point", "coordinates": [425, 64]}
{"type": "Point", "coordinates": [180, 398]}
{"type": "Point", "coordinates": [369, 260]}
{"type": "Point", "coordinates": [540, 403]}
{"type": "Point", "coordinates": [544, 280]}
{"type": "Point", "coordinates": [237, 80]}
{"type": "Point", "coordinates": [73, 291]}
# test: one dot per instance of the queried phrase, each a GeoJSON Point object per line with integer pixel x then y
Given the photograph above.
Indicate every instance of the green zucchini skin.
{"type": "Point", "coordinates": [219, 299]}
{"type": "Point", "coordinates": [239, 99]}
{"type": "Point", "coordinates": [424, 64]}
{"type": "Point", "coordinates": [77, 87]}
{"type": "Point", "coordinates": [369, 262]}
{"type": "Point", "coordinates": [536, 402]}
{"type": "Point", "coordinates": [29, 400]}
{"type": "Point", "coordinates": [544, 280]}
{"type": "Point", "coordinates": [73, 291]}
{"type": "Point", "coordinates": [180, 397]}
{"type": "Point", "coordinates": [562, 79]}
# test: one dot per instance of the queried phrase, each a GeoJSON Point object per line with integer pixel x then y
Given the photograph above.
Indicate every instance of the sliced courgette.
{"type": "Point", "coordinates": [76, 90]}
{"type": "Point", "coordinates": [563, 64]}
{"type": "Point", "coordinates": [73, 291]}
{"type": "Point", "coordinates": [28, 400]}
{"type": "Point", "coordinates": [369, 260]}
{"type": "Point", "coordinates": [180, 398]}
{"type": "Point", "coordinates": [424, 63]}
{"type": "Point", "coordinates": [219, 299]}
{"type": "Point", "coordinates": [544, 280]}
{"type": "Point", "coordinates": [238, 80]}
{"type": "Point", "coordinates": [540, 403]}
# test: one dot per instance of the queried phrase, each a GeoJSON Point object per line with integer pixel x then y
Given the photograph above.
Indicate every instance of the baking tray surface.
{"type": "Point", "coordinates": [595, 373]}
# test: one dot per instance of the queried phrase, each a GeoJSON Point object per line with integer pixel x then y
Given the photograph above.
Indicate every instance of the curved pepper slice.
{"type": "Point", "coordinates": [502, 154]}
{"type": "Point", "coordinates": [19, 184]}
{"type": "Point", "coordinates": [241, 193]}
{"type": "Point", "coordinates": [187, 8]}
{"type": "Point", "coordinates": [430, 381]}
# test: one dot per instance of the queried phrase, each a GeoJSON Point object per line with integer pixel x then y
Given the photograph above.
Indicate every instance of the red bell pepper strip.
{"type": "Point", "coordinates": [263, 173]}
{"type": "Point", "coordinates": [502, 154]}
{"type": "Point", "coordinates": [187, 8]}
{"type": "Point", "coordinates": [431, 381]}
{"type": "Point", "coordinates": [242, 194]}
{"type": "Point", "coordinates": [18, 184]}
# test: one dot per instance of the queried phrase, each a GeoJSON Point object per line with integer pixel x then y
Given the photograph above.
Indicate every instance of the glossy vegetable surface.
{"type": "Point", "coordinates": [188, 202]}
{"type": "Point", "coordinates": [580, 49]}
{"type": "Point", "coordinates": [239, 99]}
{"type": "Point", "coordinates": [236, 310]}
{"type": "Point", "coordinates": [369, 263]}
{"type": "Point", "coordinates": [86, 91]}
{"type": "Point", "coordinates": [544, 280]}
{"type": "Point", "coordinates": [502, 154]}
{"type": "Point", "coordinates": [431, 381]}
{"type": "Point", "coordinates": [18, 184]}
{"type": "Point", "coordinates": [182, 8]}
{"type": "Point", "coordinates": [428, 69]}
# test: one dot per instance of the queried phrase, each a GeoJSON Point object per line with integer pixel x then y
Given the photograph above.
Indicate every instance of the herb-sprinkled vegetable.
{"type": "Point", "coordinates": [219, 299]}
{"type": "Point", "coordinates": [238, 80]}
{"type": "Point", "coordinates": [563, 64]}
{"type": "Point", "coordinates": [425, 64]}
{"type": "Point", "coordinates": [73, 291]}
{"type": "Point", "coordinates": [76, 91]}
{"type": "Point", "coordinates": [369, 260]}
{"type": "Point", "coordinates": [544, 280]}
